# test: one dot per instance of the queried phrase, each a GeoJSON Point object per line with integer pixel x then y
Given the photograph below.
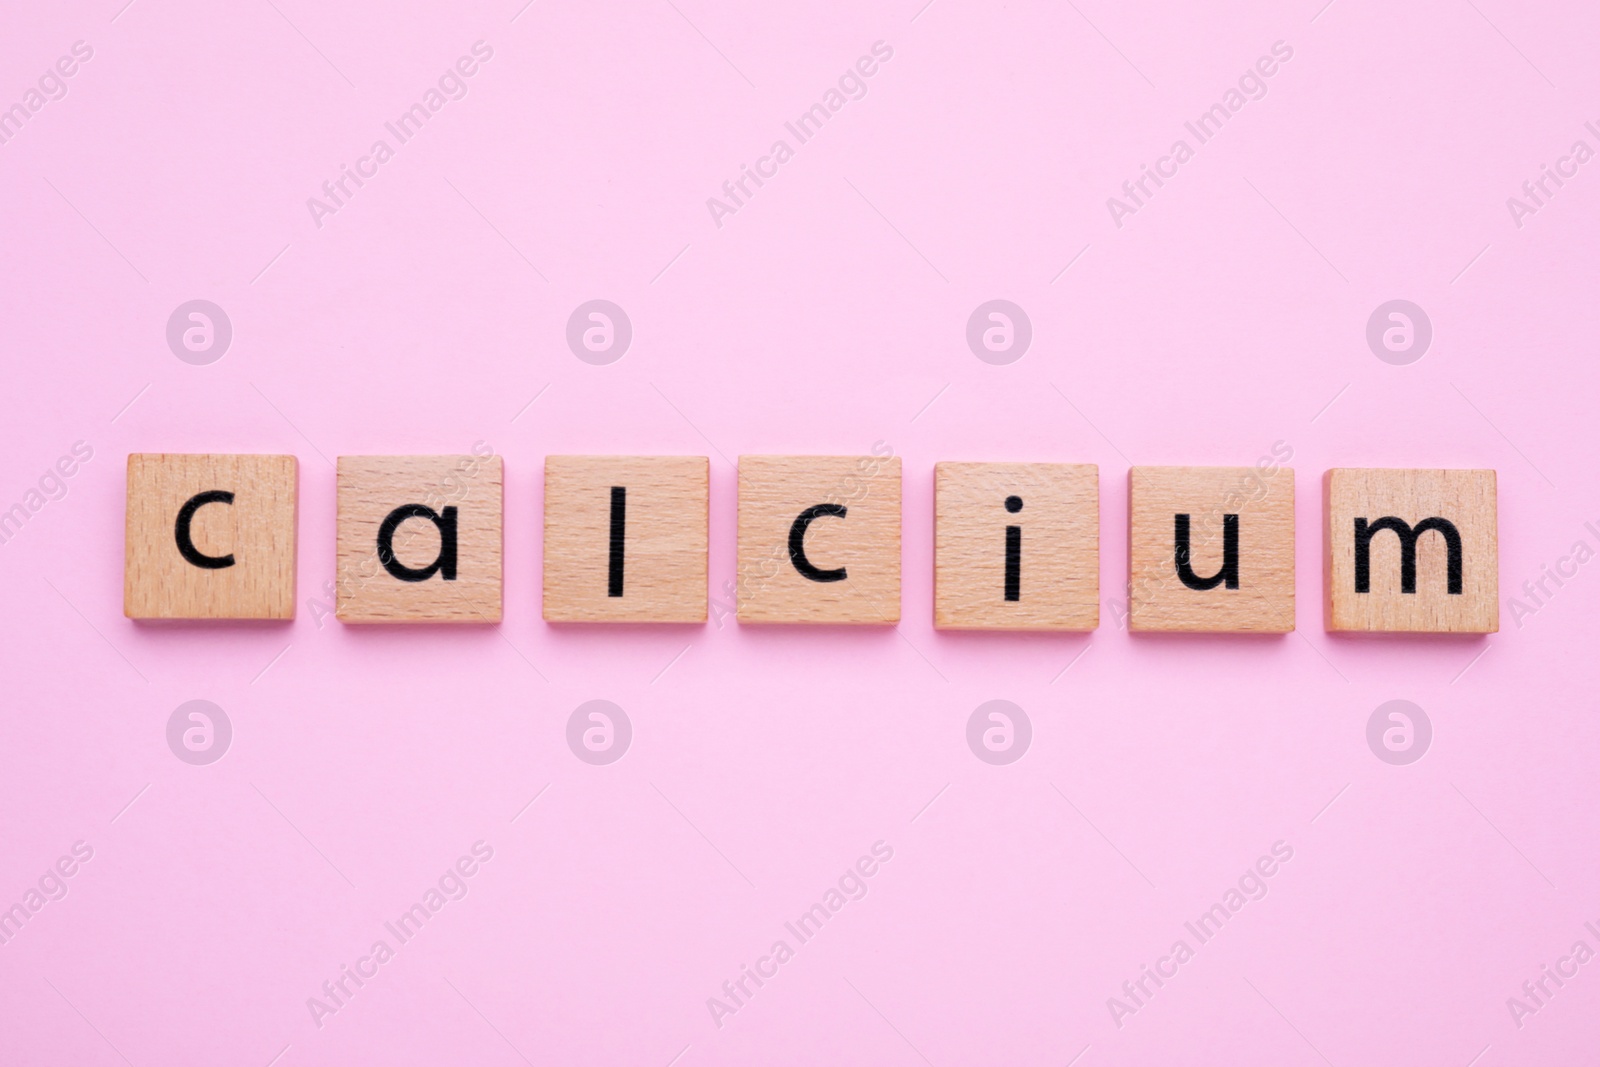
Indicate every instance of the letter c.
{"type": "Point", "coordinates": [1564, 172]}
{"type": "Point", "coordinates": [363, 171]}
{"type": "Point", "coordinates": [797, 543]}
{"type": "Point", "coordinates": [1563, 971]}
{"type": "Point", "coordinates": [762, 171]}
{"type": "Point", "coordinates": [1162, 171]}
{"type": "Point", "coordinates": [366, 974]}
{"type": "Point", "coordinates": [766, 974]}
{"type": "Point", "coordinates": [1162, 971]}
{"type": "Point", "coordinates": [1559, 569]}
{"type": "Point", "coordinates": [181, 531]}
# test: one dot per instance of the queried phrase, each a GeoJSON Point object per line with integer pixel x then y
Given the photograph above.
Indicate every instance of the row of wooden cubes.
{"type": "Point", "coordinates": [1211, 549]}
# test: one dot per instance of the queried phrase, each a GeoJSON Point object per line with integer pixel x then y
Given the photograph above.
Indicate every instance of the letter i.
{"type": "Point", "coordinates": [1013, 552]}
{"type": "Point", "coordinates": [619, 528]}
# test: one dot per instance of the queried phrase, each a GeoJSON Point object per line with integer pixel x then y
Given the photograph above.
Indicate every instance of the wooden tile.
{"type": "Point", "coordinates": [1016, 546]}
{"type": "Point", "coordinates": [625, 538]}
{"type": "Point", "coordinates": [819, 539]}
{"type": "Point", "coordinates": [210, 537]}
{"type": "Point", "coordinates": [1211, 549]}
{"type": "Point", "coordinates": [419, 538]}
{"type": "Point", "coordinates": [1443, 522]}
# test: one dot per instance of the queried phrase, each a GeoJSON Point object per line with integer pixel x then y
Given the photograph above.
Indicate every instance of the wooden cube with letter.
{"type": "Point", "coordinates": [625, 538]}
{"type": "Point", "coordinates": [419, 539]}
{"type": "Point", "coordinates": [1016, 546]}
{"type": "Point", "coordinates": [1211, 549]}
{"type": "Point", "coordinates": [210, 536]}
{"type": "Point", "coordinates": [819, 539]}
{"type": "Point", "coordinates": [1412, 551]}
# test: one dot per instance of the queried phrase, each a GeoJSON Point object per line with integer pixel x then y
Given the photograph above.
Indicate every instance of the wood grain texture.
{"type": "Point", "coordinates": [865, 542]}
{"type": "Point", "coordinates": [1262, 498]}
{"type": "Point", "coordinates": [662, 567]}
{"type": "Point", "coordinates": [257, 529]}
{"type": "Point", "coordinates": [1057, 567]}
{"type": "Point", "coordinates": [1463, 498]}
{"type": "Point", "coordinates": [370, 488]}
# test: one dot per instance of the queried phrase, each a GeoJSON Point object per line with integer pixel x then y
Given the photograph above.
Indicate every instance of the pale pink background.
{"type": "Point", "coordinates": [1221, 318]}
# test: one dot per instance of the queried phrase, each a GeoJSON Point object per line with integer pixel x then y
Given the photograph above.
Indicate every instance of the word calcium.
{"type": "Point", "coordinates": [1016, 545]}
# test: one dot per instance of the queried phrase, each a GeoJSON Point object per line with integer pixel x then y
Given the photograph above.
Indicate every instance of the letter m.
{"type": "Point", "coordinates": [1211, 120]}
{"type": "Point", "coordinates": [1408, 535]}
{"type": "Point", "coordinates": [817, 915]}
{"type": "Point", "coordinates": [1218, 915]}
{"type": "Point", "coordinates": [413, 920]}
{"type": "Point", "coordinates": [16, 115]}
{"type": "Point", "coordinates": [412, 120]}
{"type": "Point", "coordinates": [11, 522]}
{"type": "Point", "coordinates": [18, 916]}
{"type": "Point", "coordinates": [817, 115]}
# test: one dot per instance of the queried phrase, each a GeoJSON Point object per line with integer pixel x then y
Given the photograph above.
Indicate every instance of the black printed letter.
{"type": "Point", "coordinates": [1013, 552]}
{"type": "Point", "coordinates": [186, 543]}
{"type": "Point", "coordinates": [444, 564]}
{"type": "Point", "coordinates": [619, 530]}
{"type": "Point", "coordinates": [1228, 576]}
{"type": "Point", "coordinates": [1408, 551]}
{"type": "Point", "coordinates": [797, 543]}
